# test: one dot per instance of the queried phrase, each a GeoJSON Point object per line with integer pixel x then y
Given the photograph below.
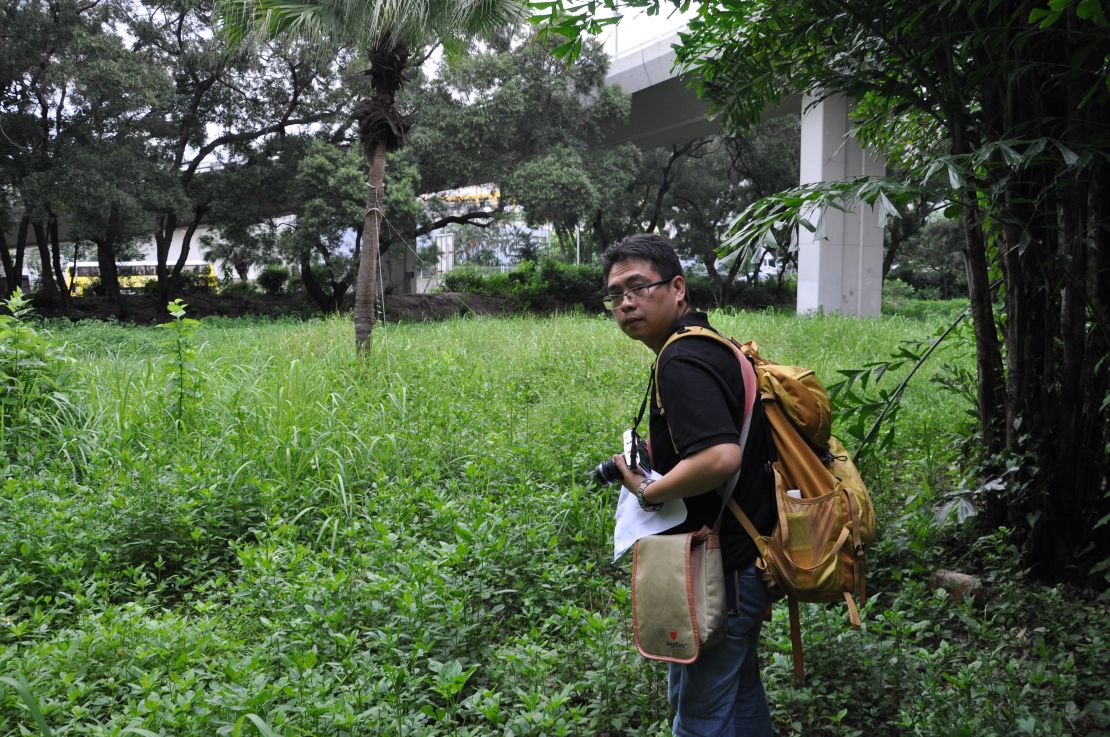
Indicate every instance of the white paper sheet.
{"type": "Point", "coordinates": [634, 523]}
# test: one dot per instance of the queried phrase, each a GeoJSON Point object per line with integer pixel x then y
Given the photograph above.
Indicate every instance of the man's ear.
{"type": "Point", "coordinates": [679, 285]}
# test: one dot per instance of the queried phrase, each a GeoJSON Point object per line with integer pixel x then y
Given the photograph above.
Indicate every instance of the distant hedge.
{"type": "Point", "coordinates": [533, 286]}
{"type": "Point", "coordinates": [550, 285]}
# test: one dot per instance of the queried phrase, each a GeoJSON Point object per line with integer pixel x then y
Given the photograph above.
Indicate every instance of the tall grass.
{"type": "Point", "coordinates": [406, 543]}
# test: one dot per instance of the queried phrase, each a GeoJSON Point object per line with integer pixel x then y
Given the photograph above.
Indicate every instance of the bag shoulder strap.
{"type": "Point", "coordinates": [747, 372]}
{"type": "Point", "coordinates": [746, 369]}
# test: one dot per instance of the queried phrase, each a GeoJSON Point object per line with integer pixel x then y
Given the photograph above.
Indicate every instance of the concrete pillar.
{"type": "Point", "coordinates": [844, 272]}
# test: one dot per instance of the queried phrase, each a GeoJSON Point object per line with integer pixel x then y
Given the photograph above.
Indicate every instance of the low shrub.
{"type": "Point", "coordinates": [705, 294]}
{"type": "Point", "coordinates": [542, 286]}
{"type": "Point", "coordinates": [240, 289]}
{"type": "Point", "coordinates": [273, 279]}
{"type": "Point", "coordinates": [549, 285]}
{"type": "Point", "coordinates": [701, 291]}
{"type": "Point", "coordinates": [33, 394]}
{"type": "Point", "coordinates": [187, 283]}
{"type": "Point", "coordinates": [575, 284]}
{"type": "Point", "coordinates": [468, 278]}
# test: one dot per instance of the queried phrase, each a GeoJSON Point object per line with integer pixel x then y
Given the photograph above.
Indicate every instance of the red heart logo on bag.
{"type": "Point", "coordinates": [674, 635]}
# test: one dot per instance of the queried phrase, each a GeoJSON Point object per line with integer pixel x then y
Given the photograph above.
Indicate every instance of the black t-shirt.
{"type": "Point", "coordinates": [703, 392]}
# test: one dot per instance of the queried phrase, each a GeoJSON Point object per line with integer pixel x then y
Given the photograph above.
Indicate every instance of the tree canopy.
{"type": "Point", "coordinates": [388, 31]}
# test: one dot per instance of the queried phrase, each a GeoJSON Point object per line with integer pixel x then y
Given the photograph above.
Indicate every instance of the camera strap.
{"type": "Point", "coordinates": [643, 404]}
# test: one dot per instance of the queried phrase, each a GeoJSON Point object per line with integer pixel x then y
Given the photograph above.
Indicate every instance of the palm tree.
{"type": "Point", "coordinates": [389, 30]}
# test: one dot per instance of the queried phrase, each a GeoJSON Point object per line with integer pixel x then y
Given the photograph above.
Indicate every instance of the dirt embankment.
{"type": "Point", "coordinates": [146, 309]}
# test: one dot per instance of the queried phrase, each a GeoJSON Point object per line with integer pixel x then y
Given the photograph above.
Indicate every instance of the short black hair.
{"type": "Point", "coordinates": [655, 249]}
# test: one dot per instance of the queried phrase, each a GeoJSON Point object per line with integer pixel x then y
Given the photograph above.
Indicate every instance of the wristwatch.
{"type": "Point", "coordinates": [644, 503]}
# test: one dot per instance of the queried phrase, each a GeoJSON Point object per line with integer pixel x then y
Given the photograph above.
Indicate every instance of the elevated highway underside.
{"type": "Point", "coordinates": [841, 273]}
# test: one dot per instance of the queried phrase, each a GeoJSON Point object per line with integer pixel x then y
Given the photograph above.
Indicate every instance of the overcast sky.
{"type": "Point", "coordinates": [637, 28]}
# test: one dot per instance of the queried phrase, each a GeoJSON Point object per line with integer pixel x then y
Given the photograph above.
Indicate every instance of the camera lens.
{"type": "Point", "coordinates": [607, 472]}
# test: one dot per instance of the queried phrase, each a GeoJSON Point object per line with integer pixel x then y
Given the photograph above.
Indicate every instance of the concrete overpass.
{"type": "Point", "coordinates": [842, 273]}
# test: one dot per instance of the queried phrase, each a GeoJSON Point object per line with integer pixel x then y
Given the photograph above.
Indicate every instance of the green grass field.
{"type": "Point", "coordinates": [279, 538]}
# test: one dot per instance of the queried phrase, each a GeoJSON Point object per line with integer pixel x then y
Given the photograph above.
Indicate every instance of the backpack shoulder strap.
{"type": "Point", "coordinates": [746, 368]}
{"type": "Point", "coordinates": [747, 372]}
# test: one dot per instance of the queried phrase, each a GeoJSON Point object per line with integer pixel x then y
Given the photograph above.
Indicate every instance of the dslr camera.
{"type": "Point", "coordinates": [635, 455]}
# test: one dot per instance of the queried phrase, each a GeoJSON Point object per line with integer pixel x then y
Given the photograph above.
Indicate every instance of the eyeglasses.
{"type": "Point", "coordinates": [615, 300]}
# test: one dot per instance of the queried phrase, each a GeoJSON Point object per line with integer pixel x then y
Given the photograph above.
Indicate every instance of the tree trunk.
{"type": "Point", "coordinates": [186, 244]}
{"type": "Point", "coordinates": [730, 289]}
{"type": "Point", "coordinates": [757, 265]}
{"type": "Point", "coordinates": [9, 268]}
{"type": "Point", "coordinates": [319, 296]}
{"type": "Point", "coordinates": [56, 254]}
{"type": "Point", "coordinates": [988, 357]}
{"type": "Point", "coordinates": [566, 242]}
{"type": "Point", "coordinates": [356, 257]}
{"type": "Point", "coordinates": [47, 283]}
{"type": "Point", "coordinates": [339, 293]}
{"type": "Point", "coordinates": [365, 287]}
{"type": "Point", "coordinates": [163, 239]}
{"type": "Point", "coordinates": [599, 231]}
{"type": "Point", "coordinates": [710, 261]}
{"type": "Point", "coordinates": [1100, 271]}
{"type": "Point", "coordinates": [109, 275]}
{"type": "Point", "coordinates": [901, 230]}
{"type": "Point", "coordinates": [20, 251]}
{"type": "Point", "coordinates": [1065, 455]}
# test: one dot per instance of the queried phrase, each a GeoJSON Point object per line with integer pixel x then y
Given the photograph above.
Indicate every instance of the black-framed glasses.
{"type": "Point", "coordinates": [615, 300]}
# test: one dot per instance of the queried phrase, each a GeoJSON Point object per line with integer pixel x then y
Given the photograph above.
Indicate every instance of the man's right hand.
{"type": "Point", "coordinates": [632, 479]}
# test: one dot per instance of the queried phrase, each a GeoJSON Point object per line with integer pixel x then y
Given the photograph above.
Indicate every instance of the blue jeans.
{"type": "Point", "coordinates": [720, 695]}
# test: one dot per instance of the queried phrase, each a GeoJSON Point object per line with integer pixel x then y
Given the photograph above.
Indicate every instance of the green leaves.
{"type": "Point", "coordinates": [805, 206]}
{"type": "Point", "coordinates": [865, 416]}
{"type": "Point", "coordinates": [1088, 10]}
{"type": "Point", "coordinates": [334, 23]}
{"type": "Point", "coordinates": [19, 683]}
{"type": "Point", "coordinates": [259, 724]}
{"type": "Point", "coordinates": [450, 678]}
{"type": "Point", "coordinates": [574, 21]}
{"type": "Point", "coordinates": [33, 377]}
{"type": "Point", "coordinates": [342, 543]}
{"type": "Point", "coordinates": [183, 376]}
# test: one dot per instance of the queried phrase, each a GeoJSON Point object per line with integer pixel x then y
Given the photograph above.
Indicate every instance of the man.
{"type": "Point", "coordinates": [695, 446]}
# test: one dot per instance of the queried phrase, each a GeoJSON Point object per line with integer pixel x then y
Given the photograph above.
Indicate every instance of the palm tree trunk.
{"type": "Point", "coordinates": [368, 259]}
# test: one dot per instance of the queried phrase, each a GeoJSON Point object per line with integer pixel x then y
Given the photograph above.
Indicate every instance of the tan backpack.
{"type": "Point", "coordinates": [816, 552]}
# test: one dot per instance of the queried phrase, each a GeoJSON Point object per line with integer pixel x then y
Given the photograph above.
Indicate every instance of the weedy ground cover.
{"type": "Point", "coordinates": [305, 542]}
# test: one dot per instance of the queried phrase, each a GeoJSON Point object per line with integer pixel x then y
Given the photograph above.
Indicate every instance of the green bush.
{"type": "Point", "coordinates": [765, 294]}
{"type": "Point", "coordinates": [549, 285]}
{"type": "Point", "coordinates": [468, 278]}
{"type": "Point", "coordinates": [187, 283]}
{"type": "Point", "coordinates": [701, 291]}
{"type": "Point", "coordinates": [272, 279]}
{"type": "Point", "coordinates": [240, 289]}
{"type": "Point", "coordinates": [574, 284]}
{"type": "Point", "coordinates": [704, 293]}
{"type": "Point", "coordinates": [540, 287]}
{"type": "Point", "coordinates": [33, 398]}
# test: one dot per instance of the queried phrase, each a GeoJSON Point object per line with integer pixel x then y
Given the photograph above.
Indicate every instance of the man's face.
{"type": "Point", "coordinates": [648, 315]}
